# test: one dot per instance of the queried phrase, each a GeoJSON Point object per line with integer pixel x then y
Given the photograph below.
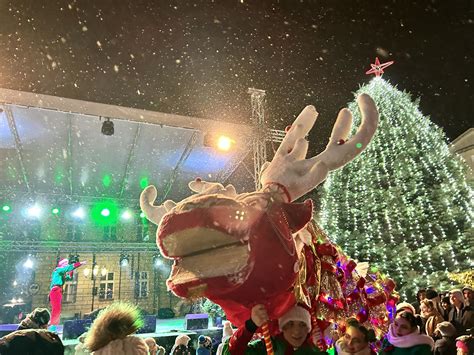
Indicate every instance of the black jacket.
{"type": "Point", "coordinates": [445, 346]}
{"type": "Point", "coordinates": [466, 320]}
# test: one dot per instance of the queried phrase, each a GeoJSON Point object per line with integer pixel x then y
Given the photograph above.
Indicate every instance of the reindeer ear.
{"type": "Point", "coordinates": [230, 191]}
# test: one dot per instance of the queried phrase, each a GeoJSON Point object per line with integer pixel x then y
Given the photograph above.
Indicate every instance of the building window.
{"type": "Point", "coordinates": [141, 284]}
{"type": "Point", "coordinates": [106, 287]}
{"type": "Point", "coordinates": [70, 289]}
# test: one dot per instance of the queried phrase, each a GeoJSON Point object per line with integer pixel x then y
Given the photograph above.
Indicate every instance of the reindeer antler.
{"type": "Point", "coordinates": [154, 213]}
{"type": "Point", "coordinates": [293, 174]}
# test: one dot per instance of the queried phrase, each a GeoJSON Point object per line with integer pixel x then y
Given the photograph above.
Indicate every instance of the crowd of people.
{"type": "Point", "coordinates": [437, 323]}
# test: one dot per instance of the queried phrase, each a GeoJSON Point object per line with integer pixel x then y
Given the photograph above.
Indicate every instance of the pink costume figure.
{"type": "Point", "coordinates": [62, 273]}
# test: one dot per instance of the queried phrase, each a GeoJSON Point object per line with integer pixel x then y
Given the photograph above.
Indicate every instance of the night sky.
{"type": "Point", "coordinates": [199, 57]}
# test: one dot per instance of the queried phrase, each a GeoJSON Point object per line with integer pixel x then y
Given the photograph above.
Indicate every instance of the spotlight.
{"type": "Point", "coordinates": [124, 260]}
{"type": "Point", "coordinates": [105, 212]}
{"type": "Point", "coordinates": [220, 142]}
{"type": "Point", "coordinates": [6, 208]}
{"type": "Point", "coordinates": [224, 143]}
{"type": "Point", "coordinates": [34, 211]}
{"type": "Point", "coordinates": [108, 127]}
{"type": "Point", "coordinates": [55, 210]}
{"type": "Point", "coordinates": [28, 264]}
{"type": "Point", "coordinates": [79, 213]}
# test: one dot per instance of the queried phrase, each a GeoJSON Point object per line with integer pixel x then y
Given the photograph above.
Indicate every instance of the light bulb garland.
{"type": "Point", "coordinates": [404, 203]}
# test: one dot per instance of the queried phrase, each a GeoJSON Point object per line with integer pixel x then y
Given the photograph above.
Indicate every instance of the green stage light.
{"type": "Point", "coordinates": [144, 182]}
{"type": "Point", "coordinates": [55, 210]}
{"type": "Point", "coordinates": [142, 215]}
{"type": "Point", "coordinates": [106, 180]}
{"type": "Point", "coordinates": [105, 213]}
{"type": "Point", "coordinates": [6, 208]}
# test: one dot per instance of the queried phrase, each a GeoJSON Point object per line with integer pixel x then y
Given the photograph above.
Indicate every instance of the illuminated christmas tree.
{"type": "Point", "coordinates": [404, 204]}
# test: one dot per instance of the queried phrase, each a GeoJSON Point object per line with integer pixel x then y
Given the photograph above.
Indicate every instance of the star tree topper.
{"type": "Point", "coordinates": [378, 68]}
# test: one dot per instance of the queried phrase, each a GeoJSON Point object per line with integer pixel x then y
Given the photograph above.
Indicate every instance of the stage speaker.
{"type": "Point", "coordinates": [149, 325]}
{"type": "Point", "coordinates": [196, 321]}
{"type": "Point", "coordinates": [73, 328]}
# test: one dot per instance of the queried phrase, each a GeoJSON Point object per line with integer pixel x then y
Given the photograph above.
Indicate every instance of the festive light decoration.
{"type": "Point", "coordinates": [404, 204]}
{"type": "Point", "coordinates": [465, 278]}
{"type": "Point", "coordinates": [377, 68]}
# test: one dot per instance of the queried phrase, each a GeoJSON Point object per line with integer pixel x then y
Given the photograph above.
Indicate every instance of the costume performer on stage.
{"type": "Point", "coordinates": [62, 273]}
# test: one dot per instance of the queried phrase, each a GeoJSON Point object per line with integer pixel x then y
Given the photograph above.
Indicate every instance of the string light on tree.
{"type": "Point", "coordinates": [404, 204]}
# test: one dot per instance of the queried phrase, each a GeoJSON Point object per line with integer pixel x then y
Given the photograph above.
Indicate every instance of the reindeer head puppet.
{"type": "Point", "coordinates": [238, 250]}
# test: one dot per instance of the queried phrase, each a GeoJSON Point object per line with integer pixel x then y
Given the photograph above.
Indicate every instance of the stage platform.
{"type": "Point", "coordinates": [165, 333]}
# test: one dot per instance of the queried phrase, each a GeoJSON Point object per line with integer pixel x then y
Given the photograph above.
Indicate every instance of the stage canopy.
{"type": "Point", "coordinates": [53, 146]}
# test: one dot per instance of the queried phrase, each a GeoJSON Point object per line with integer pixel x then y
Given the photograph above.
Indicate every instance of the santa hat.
{"type": "Point", "coordinates": [404, 305]}
{"type": "Point", "coordinates": [63, 262]}
{"type": "Point", "coordinates": [296, 313]}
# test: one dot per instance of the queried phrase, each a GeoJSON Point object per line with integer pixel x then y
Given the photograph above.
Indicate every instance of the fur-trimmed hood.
{"type": "Point", "coordinates": [117, 321]}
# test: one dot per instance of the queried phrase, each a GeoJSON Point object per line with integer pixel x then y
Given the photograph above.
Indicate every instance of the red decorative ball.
{"type": "Point", "coordinates": [198, 179]}
{"type": "Point", "coordinates": [287, 128]}
{"type": "Point", "coordinates": [341, 142]}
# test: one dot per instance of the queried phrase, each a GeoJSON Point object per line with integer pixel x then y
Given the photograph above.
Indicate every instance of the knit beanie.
{"type": "Point", "coordinates": [296, 313]}
{"type": "Point", "coordinates": [405, 305]}
{"type": "Point", "coordinates": [446, 329]}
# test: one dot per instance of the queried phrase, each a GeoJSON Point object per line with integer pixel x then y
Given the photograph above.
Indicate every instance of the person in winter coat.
{"type": "Point", "coordinates": [293, 339]}
{"type": "Point", "coordinates": [446, 344]}
{"type": "Point", "coordinates": [461, 316]}
{"type": "Point", "coordinates": [227, 332]}
{"type": "Point", "coordinates": [204, 345]}
{"type": "Point", "coordinates": [111, 332]}
{"type": "Point", "coordinates": [31, 342]}
{"type": "Point", "coordinates": [181, 345]}
{"type": "Point", "coordinates": [62, 273]}
{"type": "Point", "coordinates": [154, 348]}
{"type": "Point", "coordinates": [355, 340]}
{"type": "Point", "coordinates": [431, 315]}
{"type": "Point", "coordinates": [80, 348]}
{"type": "Point", "coordinates": [404, 338]}
{"type": "Point", "coordinates": [38, 319]}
